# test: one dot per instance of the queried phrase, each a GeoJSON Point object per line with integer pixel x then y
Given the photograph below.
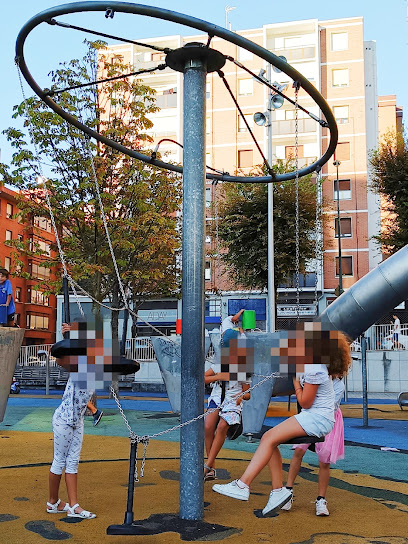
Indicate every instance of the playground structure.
{"type": "Point", "coordinates": [195, 60]}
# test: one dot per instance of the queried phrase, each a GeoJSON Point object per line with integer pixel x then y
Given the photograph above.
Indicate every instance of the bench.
{"type": "Point", "coordinates": [403, 399]}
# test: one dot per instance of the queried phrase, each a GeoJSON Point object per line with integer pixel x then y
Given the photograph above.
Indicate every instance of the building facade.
{"type": "Point", "coordinates": [35, 310]}
{"type": "Point", "coordinates": [335, 58]}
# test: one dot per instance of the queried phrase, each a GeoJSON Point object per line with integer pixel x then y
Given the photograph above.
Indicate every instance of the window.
{"type": "Point", "coordinates": [345, 227]}
{"type": "Point", "coordinates": [346, 266]}
{"type": "Point", "coordinates": [207, 271]}
{"type": "Point", "coordinates": [339, 41]}
{"type": "Point", "coordinates": [9, 235]}
{"type": "Point", "coordinates": [7, 263]}
{"type": "Point", "coordinates": [249, 118]}
{"type": "Point", "coordinates": [20, 237]}
{"type": "Point", "coordinates": [341, 114]}
{"type": "Point", "coordinates": [208, 125]}
{"type": "Point", "coordinates": [243, 54]}
{"type": "Point", "coordinates": [344, 186]}
{"type": "Point", "coordinates": [213, 308]}
{"type": "Point", "coordinates": [208, 239]}
{"type": "Point", "coordinates": [9, 211]}
{"type": "Point", "coordinates": [40, 245]}
{"type": "Point", "coordinates": [208, 197]}
{"type": "Point", "coordinates": [245, 158]}
{"type": "Point", "coordinates": [340, 78]}
{"type": "Point", "coordinates": [37, 321]}
{"type": "Point", "coordinates": [43, 223]}
{"type": "Point", "coordinates": [40, 272]}
{"type": "Point", "coordinates": [208, 90]}
{"type": "Point", "coordinates": [290, 151]}
{"type": "Point", "coordinates": [245, 87]}
{"type": "Point", "coordinates": [343, 151]}
{"type": "Point", "coordinates": [37, 297]}
{"type": "Point", "coordinates": [17, 294]}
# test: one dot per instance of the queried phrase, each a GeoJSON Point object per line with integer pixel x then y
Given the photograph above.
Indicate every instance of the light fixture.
{"type": "Point", "coordinates": [261, 119]}
{"type": "Point", "coordinates": [275, 68]}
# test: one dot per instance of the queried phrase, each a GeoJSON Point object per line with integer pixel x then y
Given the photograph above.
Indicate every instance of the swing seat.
{"type": "Point", "coordinates": [71, 347]}
{"type": "Point", "coordinates": [305, 440]}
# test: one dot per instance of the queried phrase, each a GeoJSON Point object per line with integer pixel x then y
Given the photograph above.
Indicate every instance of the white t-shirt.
{"type": "Point", "coordinates": [232, 389]}
{"type": "Point", "coordinates": [397, 326]}
{"type": "Point", "coordinates": [338, 387]}
{"type": "Point", "coordinates": [323, 404]}
{"type": "Point", "coordinates": [227, 323]}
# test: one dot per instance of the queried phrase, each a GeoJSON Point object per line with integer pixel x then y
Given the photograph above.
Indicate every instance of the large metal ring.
{"type": "Point", "coordinates": [186, 20]}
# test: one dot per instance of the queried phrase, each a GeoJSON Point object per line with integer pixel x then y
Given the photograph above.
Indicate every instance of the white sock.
{"type": "Point", "coordinates": [241, 485]}
{"type": "Point", "coordinates": [277, 489]}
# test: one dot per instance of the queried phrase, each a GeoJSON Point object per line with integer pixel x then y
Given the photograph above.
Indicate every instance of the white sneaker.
{"type": "Point", "coordinates": [321, 507]}
{"type": "Point", "coordinates": [276, 500]}
{"type": "Point", "coordinates": [288, 505]}
{"type": "Point", "coordinates": [232, 490]}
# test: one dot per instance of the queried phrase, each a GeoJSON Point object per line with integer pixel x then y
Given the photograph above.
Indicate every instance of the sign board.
{"type": "Point", "coordinates": [292, 310]}
{"type": "Point", "coordinates": [156, 316]}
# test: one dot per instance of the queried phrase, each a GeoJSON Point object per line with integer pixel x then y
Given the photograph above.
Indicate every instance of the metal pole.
{"type": "Point", "coordinates": [364, 376]}
{"type": "Point", "coordinates": [192, 337]}
{"type": "Point", "coordinates": [337, 164]}
{"type": "Point", "coordinates": [271, 261]}
{"type": "Point", "coordinates": [47, 374]}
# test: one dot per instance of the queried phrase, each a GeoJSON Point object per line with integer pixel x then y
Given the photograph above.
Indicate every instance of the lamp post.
{"type": "Point", "coordinates": [275, 101]}
{"type": "Point", "coordinates": [337, 163]}
{"type": "Point", "coordinates": [41, 353]}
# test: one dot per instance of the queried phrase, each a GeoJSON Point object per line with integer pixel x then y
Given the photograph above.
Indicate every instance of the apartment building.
{"type": "Point", "coordinates": [335, 58]}
{"type": "Point", "coordinates": [35, 311]}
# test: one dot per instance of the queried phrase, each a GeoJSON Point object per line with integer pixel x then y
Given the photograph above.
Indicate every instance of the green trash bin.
{"type": "Point", "coordinates": [249, 319]}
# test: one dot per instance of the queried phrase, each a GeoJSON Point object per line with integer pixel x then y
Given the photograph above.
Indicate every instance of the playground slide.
{"type": "Point", "coordinates": [377, 293]}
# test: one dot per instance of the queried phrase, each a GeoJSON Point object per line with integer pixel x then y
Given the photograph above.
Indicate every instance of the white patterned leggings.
{"type": "Point", "coordinates": [67, 446]}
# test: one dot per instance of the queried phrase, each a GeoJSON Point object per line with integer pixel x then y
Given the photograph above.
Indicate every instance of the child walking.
{"type": "Point", "coordinates": [68, 428]}
{"type": "Point", "coordinates": [328, 452]}
{"type": "Point", "coordinates": [315, 394]}
{"type": "Point", "coordinates": [7, 306]}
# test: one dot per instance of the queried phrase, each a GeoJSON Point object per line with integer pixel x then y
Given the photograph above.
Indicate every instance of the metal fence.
{"type": "Point", "coordinates": [381, 337]}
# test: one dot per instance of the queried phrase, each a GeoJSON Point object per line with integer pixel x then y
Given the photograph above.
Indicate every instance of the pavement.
{"type": "Point", "coordinates": [367, 495]}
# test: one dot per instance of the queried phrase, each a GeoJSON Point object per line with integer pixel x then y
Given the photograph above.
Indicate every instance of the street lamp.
{"type": "Point", "coordinates": [44, 353]}
{"type": "Point", "coordinates": [337, 163]}
{"type": "Point", "coordinates": [275, 101]}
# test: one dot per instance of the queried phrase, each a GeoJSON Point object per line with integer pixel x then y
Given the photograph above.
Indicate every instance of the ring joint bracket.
{"type": "Point", "coordinates": [186, 57]}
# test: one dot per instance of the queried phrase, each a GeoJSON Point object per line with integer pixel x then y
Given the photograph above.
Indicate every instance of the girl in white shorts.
{"type": "Point", "coordinates": [315, 394]}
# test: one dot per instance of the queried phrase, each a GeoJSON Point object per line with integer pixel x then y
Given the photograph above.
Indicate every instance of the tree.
{"type": "Point", "coordinates": [139, 201]}
{"type": "Point", "coordinates": [389, 168]}
{"type": "Point", "coordinates": [242, 229]}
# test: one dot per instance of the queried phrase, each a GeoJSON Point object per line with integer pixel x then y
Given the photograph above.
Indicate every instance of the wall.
{"type": "Point", "coordinates": [387, 372]}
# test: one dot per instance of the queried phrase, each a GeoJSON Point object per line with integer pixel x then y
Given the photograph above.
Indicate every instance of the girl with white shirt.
{"type": "Point", "coordinates": [315, 394]}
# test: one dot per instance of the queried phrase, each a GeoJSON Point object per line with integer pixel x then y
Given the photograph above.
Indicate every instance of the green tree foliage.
{"type": "Point", "coordinates": [242, 229]}
{"type": "Point", "coordinates": [390, 179]}
{"type": "Point", "coordinates": [140, 201]}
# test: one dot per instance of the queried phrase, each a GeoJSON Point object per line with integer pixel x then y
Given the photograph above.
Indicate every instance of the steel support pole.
{"type": "Point", "coordinates": [364, 378]}
{"type": "Point", "coordinates": [192, 336]}
{"type": "Point", "coordinates": [271, 257]}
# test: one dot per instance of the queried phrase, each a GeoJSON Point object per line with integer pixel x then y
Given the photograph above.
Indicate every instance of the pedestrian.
{"type": "Point", "coordinates": [315, 394]}
{"type": "Point", "coordinates": [231, 322]}
{"type": "Point", "coordinates": [396, 332]}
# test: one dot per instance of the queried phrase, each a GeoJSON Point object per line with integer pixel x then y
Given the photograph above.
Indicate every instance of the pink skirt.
{"type": "Point", "coordinates": [332, 449]}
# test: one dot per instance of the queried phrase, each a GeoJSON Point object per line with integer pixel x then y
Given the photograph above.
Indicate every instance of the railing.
{"type": "Point", "coordinates": [381, 337]}
{"type": "Point", "coordinates": [140, 349]}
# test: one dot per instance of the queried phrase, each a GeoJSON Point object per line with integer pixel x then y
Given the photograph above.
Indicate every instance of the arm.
{"type": "Point", "coordinates": [210, 377]}
{"type": "Point", "coordinates": [238, 315]}
{"type": "Point", "coordinates": [8, 300]}
{"type": "Point", "coordinates": [305, 395]}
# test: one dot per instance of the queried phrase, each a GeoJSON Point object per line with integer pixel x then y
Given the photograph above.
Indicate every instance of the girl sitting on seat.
{"type": "Point", "coordinates": [324, 354]}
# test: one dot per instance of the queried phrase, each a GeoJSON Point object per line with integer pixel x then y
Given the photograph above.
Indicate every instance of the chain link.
{"type": "Point", "coordinates": [297, 255]}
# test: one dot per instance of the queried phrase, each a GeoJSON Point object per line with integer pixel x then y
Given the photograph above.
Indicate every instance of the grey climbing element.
{"type": "Point", "coordinates": [10, 343]}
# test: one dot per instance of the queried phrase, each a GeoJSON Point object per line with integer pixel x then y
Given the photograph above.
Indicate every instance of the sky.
{"type": "Point", "coordinates": [47, 46]}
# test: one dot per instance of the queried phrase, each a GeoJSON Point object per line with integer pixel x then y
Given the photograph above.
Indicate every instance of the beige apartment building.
{"type": "Point", "coordinates": [335, 58]}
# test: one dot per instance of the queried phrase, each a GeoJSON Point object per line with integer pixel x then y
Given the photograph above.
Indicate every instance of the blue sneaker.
{"type": "Point", "coordinates": [97, 417]}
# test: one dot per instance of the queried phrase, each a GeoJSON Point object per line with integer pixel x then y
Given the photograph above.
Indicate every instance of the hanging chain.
{"type": "Point", "coordinates": [318, 240]}
{"type": "Point", "coordinates": [297, 256]}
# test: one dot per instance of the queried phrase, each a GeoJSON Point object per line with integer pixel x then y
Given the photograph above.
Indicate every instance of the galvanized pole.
{"type": "Point", "coordinates": [364, 377]}
{"type": "Point", "coordinates": [192, 335]}
{"type": "Point", "coordinates": [271, 257]}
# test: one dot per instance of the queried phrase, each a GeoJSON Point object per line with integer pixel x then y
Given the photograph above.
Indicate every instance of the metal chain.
{"type": "Point", "coordinates": [317, 238]}
{"type": "Point", "coordinates": [297, 256]}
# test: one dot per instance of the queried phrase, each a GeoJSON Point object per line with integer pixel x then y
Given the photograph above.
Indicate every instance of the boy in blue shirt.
{"type": "Point", "coordinates": [7, 306]}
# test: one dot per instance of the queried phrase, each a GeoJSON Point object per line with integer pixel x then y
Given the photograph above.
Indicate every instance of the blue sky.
{"type": "Point", "coordinates": [384, 22]}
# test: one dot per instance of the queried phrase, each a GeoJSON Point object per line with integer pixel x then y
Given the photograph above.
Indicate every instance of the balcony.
{"type": "Point", "coordinates": [287, 126]}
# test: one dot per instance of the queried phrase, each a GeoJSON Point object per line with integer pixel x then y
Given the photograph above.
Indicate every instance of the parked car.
{"type": "Point", "coordinates": [388, 341]}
